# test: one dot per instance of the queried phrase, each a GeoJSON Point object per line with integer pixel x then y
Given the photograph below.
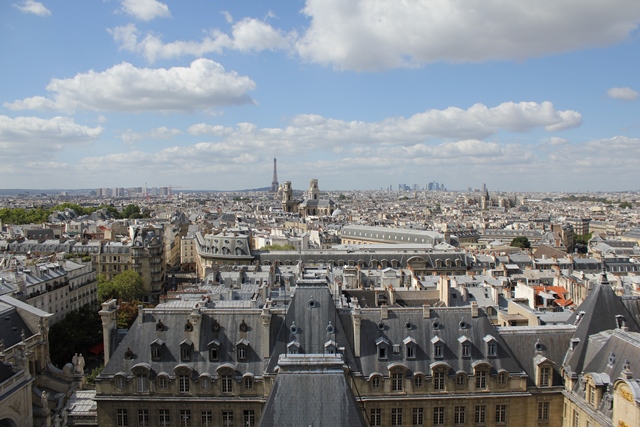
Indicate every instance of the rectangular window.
{"type": "Point", "coordinates": [458, 415]}
{"type": "Point", "coordinates": [155, 352]}
{"type": "Point", "coordinates": [213, 354]}
{"type": "Point", "coordinates": [248, 418]}
{"type": "Point", "coordinates": [165, 419]}
{"type": "Point", "coordinates": [491, 349]}
{"type": "Point", "coordinates": [576, 418]}
{"type": "Point", "coordinates": [396, 381]}
{"type": "Point", "coordinates": [417, 417]}
{"type": "Point", "coordinates": [122, 419]}
{"type": "Point", "coordinates": [411, 352]}
{"type": "Point", "coordinates": [396, 417]}
{"type": "Point", "coordinates": [375, 417]}
{"type": "Point", "coordinates": [226, 383]}
{"type": "Point", "coordinates": [481, 380]}
{"type": "Point", "coordinates": [545, 377]}
{"type": "Point", "coordinates": [592, 395]}
{"type": "Point", "coordinates": [501, 414]}
{"type": "Point", "coordinates": [185, 382]}
{"type": "Point", "coordinates": [185, 353]}
{"type": "Point", "coordinates": [438, 415]}
{"type": "Point", "coordinates": [227, 418]}
{"type": "Point", "coordinates": [466, 350]}
{"type": "Point", "coordinates": [438, 381]}
{"type": "Point", "coordinates": [185, 418]}
{"type": "Point", "coordinates": [206, 419]}
{"type": "Point", "coordinates": [382, 352]}
{"type": "Point", "coordinates": [143, 418]}
{"type": "Point", "coordinates": [437, 350]}
{"type": "Point", "coordinates": [142, 381]}
{"type": "Point", "coordinates": [543, 411]}
{"type": "Point", "coordinates": [242, 353]}
{"type": "Point", "coordinates": [481, 414]}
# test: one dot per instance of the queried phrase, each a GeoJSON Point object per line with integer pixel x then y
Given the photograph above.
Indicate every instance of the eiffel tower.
{"type": "Point", "coordinates": [274, 182]}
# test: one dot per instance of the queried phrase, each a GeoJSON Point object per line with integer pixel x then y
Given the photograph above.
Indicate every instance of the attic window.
{"type": "Point", "coordinates": [293, 328]}
{"type": "Point", "coordinates": [574, 343]}
{"type": "Point", "coordinates": [408, 325]}
{"type": "Point", "coordinates": [462, 324]}
{"type": "Point", "coordinates": [620, 321]}
{"type": "Point", "coordinates": [396, 349]}
{"type": "Point", "coordinates": [330, 328]}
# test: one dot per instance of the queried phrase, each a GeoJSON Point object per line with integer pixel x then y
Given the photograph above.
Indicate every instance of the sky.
{"type": "Point", "coordinates": [519, 95]}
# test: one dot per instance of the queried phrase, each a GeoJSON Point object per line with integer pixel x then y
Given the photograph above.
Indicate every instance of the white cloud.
{"type": "Point", "coordinates": [162, 132]}
{"type": "Point", "coordinates": [461, 130]}
{"type": "Point", "coordinates": [145, 10]}
{"type": "Point", "coordinates": [622, 93]}
{"type": "Point", "coordinates": [25, 137]}
{"type": "Point", "coordinates": [203, 85]}
{"type": "Point", "coordinates": [32, 6]}
{"type": "Point", "coordinates": [248, 35]}
{"type": "Point", "coordinates": [381, 34]}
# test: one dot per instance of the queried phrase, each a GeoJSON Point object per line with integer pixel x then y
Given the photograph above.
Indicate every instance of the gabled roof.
{"type": "Point", "coordinates": [597, 313]}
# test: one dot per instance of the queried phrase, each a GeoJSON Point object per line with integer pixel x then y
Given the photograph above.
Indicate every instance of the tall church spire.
{"type": "Point", "coordinates": [274, 182]}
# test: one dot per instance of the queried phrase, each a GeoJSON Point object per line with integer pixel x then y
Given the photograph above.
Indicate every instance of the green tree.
{"type": "Point", "coordinates": [126, 286]}
{"type": "Point", "coordinates": [625, 205]}
{"type": "Point", "coordinates": [287, 247]}
{"type": "Point", "coordinates": [131, 211]}
{"type": "Point", "coordinates": [521, 242]}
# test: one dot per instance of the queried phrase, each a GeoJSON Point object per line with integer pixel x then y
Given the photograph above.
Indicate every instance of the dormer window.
{"type": "Point", "coordinates": [376, 381]}
{"type": "Point", "coordinates": [465, 346]}
{"type": "Point", "coordinates": [214, 347]}
{"type": "Point", "coordinates": [156, 349]}
{"type": "Point", "coordinates": [438, 346]}
{"type": "Point", "coordinates": [410, 347]}
{"type": "Point", "coordinates": [186, 348]}
{"type": "Point", "coordinates": [331, 347]}
{"type": "Point", "coordinates": [294, 347]}
{"type": "Point", "coordinates": [242, 350]}
{"type": "Point", "coordinates": [383, 346]}
{"type": "Point", "coordinates": [491, 345]}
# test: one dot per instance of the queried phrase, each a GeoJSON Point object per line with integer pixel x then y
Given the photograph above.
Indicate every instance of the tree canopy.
{"type": "Point", "coordinates": [287, 247]}
{"type": "Point", "coordinates": [126, 286]}
{"type": "Point", "coordinates": [41, 214]}
{"type": "Point", "coordinates": [77, 333]}
{"type": "Point", "coordinates": [521, 242]}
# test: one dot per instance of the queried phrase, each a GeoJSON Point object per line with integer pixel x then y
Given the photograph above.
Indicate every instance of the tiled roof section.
{"type": "Point", "coordinates": [447, 324]}
{"type": "Point", "coordinates": [597, 313]}
{"type": "Point", "coordinates": [548, 341]}
{"type": "Point", "coordinates": [11, 326]}
{"type": "Point", "coordinates": [311, 391]}
{"type": "Point", "coordinates": [311, 321]}
{"type": "Point", "coordinates": [223, 326]}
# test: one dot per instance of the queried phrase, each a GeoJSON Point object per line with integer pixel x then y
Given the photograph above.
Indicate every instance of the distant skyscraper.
{"type": "Point", "coordinates": [274, 182]}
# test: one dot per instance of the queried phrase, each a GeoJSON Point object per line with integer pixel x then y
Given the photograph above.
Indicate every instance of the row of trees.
{"type": "Point", "coordinates": [41, 214]}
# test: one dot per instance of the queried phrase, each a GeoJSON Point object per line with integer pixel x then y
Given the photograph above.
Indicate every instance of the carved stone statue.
{"type": "Point", "coordinates": [80, 364]}
{"type": "Point", "coordinates": [44, 400]}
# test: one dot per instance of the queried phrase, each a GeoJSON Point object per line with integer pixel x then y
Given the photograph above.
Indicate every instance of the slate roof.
{"type": "Point", "coordinates": [548, 341]}
{"type": "Point", "coordinates": [446, 324]}
{"type": "Point", "coordinates": [597, 313]}
{"type": "Point", "coordinates": [311, 391]}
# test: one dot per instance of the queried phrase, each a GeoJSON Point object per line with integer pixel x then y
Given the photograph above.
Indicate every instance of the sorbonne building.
{"type": "Point", "coordinates": [313, 357]}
